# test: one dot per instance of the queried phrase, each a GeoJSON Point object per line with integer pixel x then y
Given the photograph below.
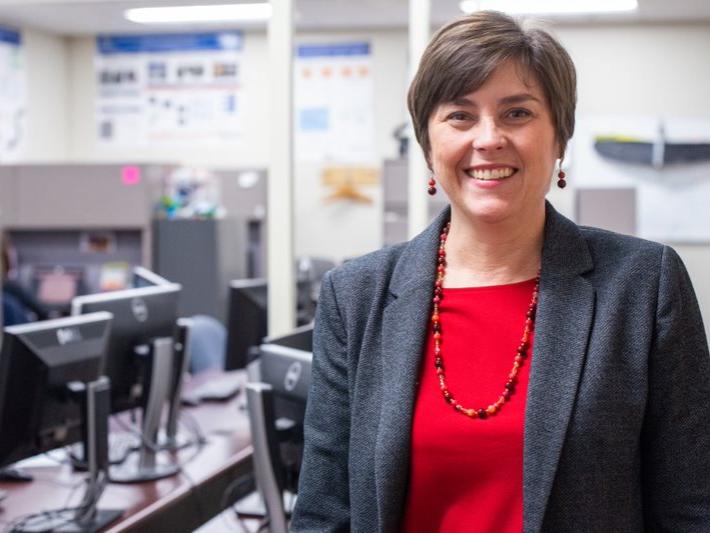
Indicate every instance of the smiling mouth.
{"type": "Point", "coordinates": [491, 174]}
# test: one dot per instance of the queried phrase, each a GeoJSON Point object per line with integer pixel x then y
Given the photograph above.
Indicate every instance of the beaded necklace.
{"type": "Point", "coordinates": [520, 355]}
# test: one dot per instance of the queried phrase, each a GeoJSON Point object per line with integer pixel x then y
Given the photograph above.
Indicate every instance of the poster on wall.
{"type": "Point", "coordinates": [13, 109]}
{"type": "Point", "coordinates": [169, 89]}
{"type": "Point", "coordinates": [666, 161]}
{"type": "Point", "coordinates": [334, 103]}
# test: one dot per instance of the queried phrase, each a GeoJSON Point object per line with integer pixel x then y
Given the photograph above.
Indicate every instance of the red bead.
{"type": "Point", "coordinates": [432, 182]}
{"type": "Point", "coordinates": [520, 354]}
{"type": "Point", "coordinates": [561, 174]}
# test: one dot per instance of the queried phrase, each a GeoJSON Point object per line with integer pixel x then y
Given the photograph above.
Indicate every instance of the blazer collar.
{"type": "Point", "coordinates": [563, 320]}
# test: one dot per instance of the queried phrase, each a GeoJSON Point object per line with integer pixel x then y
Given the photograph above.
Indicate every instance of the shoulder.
{"type": "Point", "coordinates": [615, 251]}
{"type": "Point", "coordinates": [361, 275]}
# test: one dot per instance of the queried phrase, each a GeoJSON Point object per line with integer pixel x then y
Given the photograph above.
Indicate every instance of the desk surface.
{"type": "Point", "coordinates": [178, 503]}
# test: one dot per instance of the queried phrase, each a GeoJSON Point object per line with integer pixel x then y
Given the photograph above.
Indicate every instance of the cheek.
{"type": "Point", "coordinates": [446, 154]}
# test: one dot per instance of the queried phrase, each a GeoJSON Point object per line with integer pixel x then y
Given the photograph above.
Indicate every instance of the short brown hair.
{"type": "Point", "coordinates": [464, 53]}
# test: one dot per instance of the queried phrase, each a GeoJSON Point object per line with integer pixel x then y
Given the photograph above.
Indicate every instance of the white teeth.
{"type": "Point", "coordinates": [495, 174]}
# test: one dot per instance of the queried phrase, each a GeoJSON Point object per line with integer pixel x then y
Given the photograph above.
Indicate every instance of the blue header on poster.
{"type": "Point", "coordinates": [331, 50]}
{"type": "Point", "coordinates": [10, 36]}
{"type": "Point", "coordinates": [170, 42]}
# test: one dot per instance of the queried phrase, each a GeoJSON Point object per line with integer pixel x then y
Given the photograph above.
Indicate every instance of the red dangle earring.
{"type": "Point", "coordinates": [432, 186]}
{"type": "Point", "coordinates": [561, 183]}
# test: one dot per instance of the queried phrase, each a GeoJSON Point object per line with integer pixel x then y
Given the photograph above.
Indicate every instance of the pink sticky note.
{"type": "Point", "coordinates": [131, 175]}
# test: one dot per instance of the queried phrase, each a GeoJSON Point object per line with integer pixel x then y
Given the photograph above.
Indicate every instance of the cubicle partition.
{"type": "Point", "coordinates": [80, 228]}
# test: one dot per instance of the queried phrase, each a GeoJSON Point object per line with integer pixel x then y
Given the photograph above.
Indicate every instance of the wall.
{"type": "Point", "coordinates": [346, 229]}
{"type": "Point", "coordinates": [48, 124]}
{"type": "Point", "coordinates": [251, 152]}
{"type": "Point", "coordinates": [646, 70]}
{"type": "Point", "coordinates": [625, 69]}
{"type": "Point", "coordinates": [358, 226]}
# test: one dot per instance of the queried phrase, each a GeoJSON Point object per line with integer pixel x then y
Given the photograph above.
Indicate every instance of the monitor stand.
{"type": "Point", "coordinates": [173, 439]}
{"type": "Point", "coordinates": [95, 400]}
{"type": "Point", "coordinates": [146, 465]}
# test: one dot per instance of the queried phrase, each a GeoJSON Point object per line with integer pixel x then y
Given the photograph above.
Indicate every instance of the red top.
{"type": "Point", "coordinates": [467, 474]}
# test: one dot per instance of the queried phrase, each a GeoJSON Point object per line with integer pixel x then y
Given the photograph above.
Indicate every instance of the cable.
{"type": "Point", "coordinates": [195, 428]}
{"type": "Point", "coordinates": [241, 485]}
{"type": "Point", "coordinates": [196, 494]}
{"type": "Point", "coordinates": [152, 446]}
{"type": "Point", "coordinates": [54, 516]}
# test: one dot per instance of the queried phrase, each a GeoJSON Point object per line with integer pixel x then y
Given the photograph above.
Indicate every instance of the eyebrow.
{"type": "Point", "coordinates": [512, 99]}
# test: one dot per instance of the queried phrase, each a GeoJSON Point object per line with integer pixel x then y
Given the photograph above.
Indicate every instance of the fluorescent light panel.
{"type": "Point", "coordinates": [550, 7]}
{"type": "Point", "coordinates": [208, 13]}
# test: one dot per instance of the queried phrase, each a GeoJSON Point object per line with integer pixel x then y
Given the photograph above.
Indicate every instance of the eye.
{"type": "Point", "coordinates": [458, 116]}
{"type": "Point", "coordinates": [519, 114]}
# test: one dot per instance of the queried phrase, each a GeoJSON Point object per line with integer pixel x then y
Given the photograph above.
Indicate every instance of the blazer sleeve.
{"type": "Point", "coordinates": [323, 503]}
{"type": "Point", "coordinates": [676, 432]}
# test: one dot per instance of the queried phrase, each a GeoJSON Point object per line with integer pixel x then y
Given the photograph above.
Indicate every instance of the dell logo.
{"type": "Point", "coordinates": [67, 335]}
{"type": "Point", "coordinates": [140, 310]}
{"type": "Point", "coordinates": [293, 374]}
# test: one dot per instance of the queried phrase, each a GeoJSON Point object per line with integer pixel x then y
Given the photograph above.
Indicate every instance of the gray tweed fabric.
{"type": "Point", "coordinates": [617, 427]}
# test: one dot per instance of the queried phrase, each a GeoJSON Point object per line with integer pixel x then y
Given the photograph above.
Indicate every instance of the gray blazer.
{"type": "Point", "coordinates": [617, 423]}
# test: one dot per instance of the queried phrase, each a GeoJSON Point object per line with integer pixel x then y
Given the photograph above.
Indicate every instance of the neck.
{"type": "Point", "coordinates": [481, 253]}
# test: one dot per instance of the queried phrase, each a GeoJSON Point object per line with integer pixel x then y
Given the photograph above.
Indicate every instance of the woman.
{"type": "Point", "coordinates": [506, 370]}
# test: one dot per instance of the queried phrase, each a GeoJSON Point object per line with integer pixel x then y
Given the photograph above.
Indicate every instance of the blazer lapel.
{"type": "Point", "coordinates": [404, 329]}
{"type": "Point", "coordinates": [562, 327]}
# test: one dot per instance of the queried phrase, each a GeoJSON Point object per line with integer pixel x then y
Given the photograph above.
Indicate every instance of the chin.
{"type": "Point", "coordinates": [489, 211]}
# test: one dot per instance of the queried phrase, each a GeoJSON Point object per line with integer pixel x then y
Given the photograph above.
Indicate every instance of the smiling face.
{"type": "Point", "coordinates": [494, 150]}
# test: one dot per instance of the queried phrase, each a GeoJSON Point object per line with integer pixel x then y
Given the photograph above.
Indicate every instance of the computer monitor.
{"type": "Point", "coordinates": [52, 394]}
{"type": "Point", "coordinates": [246, 320]}
{"type": "Point", "coordinates": [276, 403]}
{"type": "Point", "coordinates": [139, 316]}
{"type": "Point", "coordinates": [142, 277]}
{"type": "Point", "coordinates": [139, 362]}
{"type": "Point", "coordinates": [37, 362]}
{"type": "Point", "coordinates": [247, 316]}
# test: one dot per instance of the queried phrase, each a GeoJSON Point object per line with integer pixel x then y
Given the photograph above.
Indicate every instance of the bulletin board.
{"type": "Point", "coordinates": [169, 89]}
{"type": "Point", "coordinates": [13, 98]}
{"type": "Point", "coordinates": [334, 103]}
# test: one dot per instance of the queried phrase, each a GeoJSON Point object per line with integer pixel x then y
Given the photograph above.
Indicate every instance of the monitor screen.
{"type": "Point", "coordinates": [247, 318]}
{"type": "Point", "coordinates": [139, 317]}
{"type": "Point", "coordinates": [37, 362]}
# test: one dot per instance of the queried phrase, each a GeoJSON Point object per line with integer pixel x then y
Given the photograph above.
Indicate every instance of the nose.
{"type": "Point", "coordinates": [488, 136]}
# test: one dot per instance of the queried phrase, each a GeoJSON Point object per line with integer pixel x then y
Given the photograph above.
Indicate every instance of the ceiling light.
{"type": "Point", "coordinates": [209, 13]}
{"type": "Point", "coordinates": [550, 7]}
